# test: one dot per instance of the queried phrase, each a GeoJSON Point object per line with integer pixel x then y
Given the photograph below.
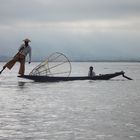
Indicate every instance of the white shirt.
{"type": "Point", "coordinates": [25, 51]}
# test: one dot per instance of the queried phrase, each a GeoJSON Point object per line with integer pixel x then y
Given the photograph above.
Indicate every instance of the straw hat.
{"type": "Point", "coordinates": [27, 40]}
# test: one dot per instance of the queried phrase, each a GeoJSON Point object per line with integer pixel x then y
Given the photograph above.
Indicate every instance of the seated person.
{"type": "Point", "coordinates": [91, 73]}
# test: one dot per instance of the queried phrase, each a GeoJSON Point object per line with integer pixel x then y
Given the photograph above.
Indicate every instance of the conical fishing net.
{"type": "Point", "coordinates": [57, 64]}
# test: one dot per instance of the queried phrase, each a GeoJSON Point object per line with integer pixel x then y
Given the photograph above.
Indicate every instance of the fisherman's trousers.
{"type": "Point", "coordinates": [17, 58]}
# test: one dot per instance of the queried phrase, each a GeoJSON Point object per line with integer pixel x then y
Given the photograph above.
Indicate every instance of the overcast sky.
{"type": "Point", "coordinates": [82, 29]}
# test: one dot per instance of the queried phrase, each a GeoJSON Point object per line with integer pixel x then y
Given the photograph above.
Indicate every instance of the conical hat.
{"type": "Point", "coordinates": [27, 40]}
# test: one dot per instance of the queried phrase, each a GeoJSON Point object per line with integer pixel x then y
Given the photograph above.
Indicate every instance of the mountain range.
{"type": "Point", "coordinates": [6, 58]}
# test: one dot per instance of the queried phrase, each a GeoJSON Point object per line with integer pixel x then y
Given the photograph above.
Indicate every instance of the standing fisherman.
{"type": "Point", "coordinates": [24, 49]}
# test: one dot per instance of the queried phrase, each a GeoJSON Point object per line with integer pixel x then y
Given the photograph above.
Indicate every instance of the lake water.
{"type": "Point", "coordinates": [75, 110]}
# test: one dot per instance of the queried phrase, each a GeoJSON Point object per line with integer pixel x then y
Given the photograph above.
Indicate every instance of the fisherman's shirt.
{"type": "Point", "coordinates": [25, 50]}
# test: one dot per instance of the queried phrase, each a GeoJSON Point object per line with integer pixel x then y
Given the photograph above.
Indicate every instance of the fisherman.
{"type": "Point", "coordinates": [91, 73]}
{"type": "Point", "coordinates": [23, 50]}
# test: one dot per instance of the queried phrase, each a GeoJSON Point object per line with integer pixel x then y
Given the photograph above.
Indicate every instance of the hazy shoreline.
{"type": "Point", "coordinates": [109, 61]}
{"type": "Point", "coordinates": [5, 59]}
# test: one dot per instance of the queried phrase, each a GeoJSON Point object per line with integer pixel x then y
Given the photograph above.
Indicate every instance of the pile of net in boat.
{"type": "Point", "coordinates": [57, 64]}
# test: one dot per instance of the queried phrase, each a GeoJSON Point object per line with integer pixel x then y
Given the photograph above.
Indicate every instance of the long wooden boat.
{"type": "Point", "coordinates": [56, 79]}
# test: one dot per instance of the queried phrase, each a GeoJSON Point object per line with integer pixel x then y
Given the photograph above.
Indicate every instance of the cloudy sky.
{"type": "Point", "coordinates": [82, 29]}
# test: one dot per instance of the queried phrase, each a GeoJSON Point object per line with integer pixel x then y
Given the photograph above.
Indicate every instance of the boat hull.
{"type": "Point", "coordinates": [56, 79]}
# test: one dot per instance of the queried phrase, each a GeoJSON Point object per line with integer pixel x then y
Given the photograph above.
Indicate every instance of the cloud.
{"type": "Point", "coordinates": [109, 28]}
{"type": "Point", "coordinates": [46, 12]}
{"type": "Point", "coordinates": [64, 10]}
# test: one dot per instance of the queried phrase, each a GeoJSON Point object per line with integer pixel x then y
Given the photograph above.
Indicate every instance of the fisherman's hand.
{"type": "Point", "coordinates": [29, 62]}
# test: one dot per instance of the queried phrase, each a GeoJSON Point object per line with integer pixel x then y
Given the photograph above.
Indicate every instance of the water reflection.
{"type": "Point", "coordinates": [21, 84]}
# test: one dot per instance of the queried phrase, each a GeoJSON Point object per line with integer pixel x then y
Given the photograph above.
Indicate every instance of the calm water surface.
{"type": "Point", "coordinates": [75, 110]}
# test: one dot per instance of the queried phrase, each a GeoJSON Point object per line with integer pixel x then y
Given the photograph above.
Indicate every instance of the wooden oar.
{"type": "Point", "coordinates": [2, 70]}
{"type": "Point", "coordinates": [127, 77]}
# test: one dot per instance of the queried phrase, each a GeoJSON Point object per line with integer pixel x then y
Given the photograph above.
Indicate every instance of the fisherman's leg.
{"type": "Point", "coordinates": [9, 65]}
{"type": "Point", "coordinates": [12, 62]}
{"type": "Point", "coordinates": [22, 66]}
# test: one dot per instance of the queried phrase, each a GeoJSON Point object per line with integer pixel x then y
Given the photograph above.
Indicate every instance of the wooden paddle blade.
{"type": "Point", "coordinates": [127, 77]}
{"type": "Point", "coordinates": [2, 70]}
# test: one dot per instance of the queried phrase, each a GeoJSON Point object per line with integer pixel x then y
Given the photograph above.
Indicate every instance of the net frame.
{"type": "Point", "coordinates": [36, 71]}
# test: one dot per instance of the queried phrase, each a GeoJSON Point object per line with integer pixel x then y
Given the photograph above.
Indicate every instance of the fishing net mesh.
{"type": "Point", "coordinates": [57, 64]}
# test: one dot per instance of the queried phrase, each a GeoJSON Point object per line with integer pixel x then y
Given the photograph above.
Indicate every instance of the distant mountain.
{"type": "Point", "coordinates": [4, 58]}
{"type": "Point", "coordinates": [37, 59]}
